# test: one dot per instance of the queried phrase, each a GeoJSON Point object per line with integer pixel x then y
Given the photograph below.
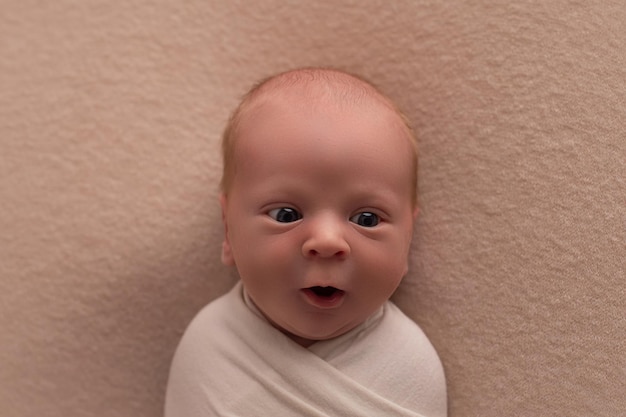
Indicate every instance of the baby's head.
{"type": "Point", "coordinates": [318, 199]}
{"type": "Point", "coordinates": [321, 86]}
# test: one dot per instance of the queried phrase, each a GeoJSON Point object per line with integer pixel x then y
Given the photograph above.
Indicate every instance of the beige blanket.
{"type": "Point", "coordinates": [232, 362]}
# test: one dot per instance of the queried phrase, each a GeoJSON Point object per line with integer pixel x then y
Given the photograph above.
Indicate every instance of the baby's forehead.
{"type": "Point", "coordinates": [318, 113]}
{"type": "Point", "coordinates": [340, 93]}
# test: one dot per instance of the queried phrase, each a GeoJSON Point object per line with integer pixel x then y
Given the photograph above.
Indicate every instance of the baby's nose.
{"type": "Point", "coordinates": [326, 239]}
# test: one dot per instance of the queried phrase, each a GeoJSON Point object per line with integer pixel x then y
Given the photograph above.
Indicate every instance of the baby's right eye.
{"type": "Point", "coordinates": [284, 215]}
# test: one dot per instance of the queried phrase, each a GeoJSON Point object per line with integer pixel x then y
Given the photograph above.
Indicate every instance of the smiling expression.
{"type": "Point", "coordinates": [319, 214]}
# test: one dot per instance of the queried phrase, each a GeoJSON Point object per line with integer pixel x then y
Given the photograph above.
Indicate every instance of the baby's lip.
{"type": "Point", "coordinates": [326, 297]}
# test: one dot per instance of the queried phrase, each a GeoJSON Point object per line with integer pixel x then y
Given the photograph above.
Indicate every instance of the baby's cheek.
{"type": "Point", "coordinates": [390, 265]}
{"type": "Point", "coordinates": [271, 254]}
{"type": "Point", "coordinates": [279, 244]}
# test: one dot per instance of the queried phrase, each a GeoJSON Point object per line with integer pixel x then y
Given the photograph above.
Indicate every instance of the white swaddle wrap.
{"type": "Point", "coordinates": [232, 362]}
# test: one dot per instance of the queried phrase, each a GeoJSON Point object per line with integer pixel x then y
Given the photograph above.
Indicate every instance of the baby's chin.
{"type": "Point", "coordinates": [302, 341]}
{"type": "Point", "coordinates": [308, 338]}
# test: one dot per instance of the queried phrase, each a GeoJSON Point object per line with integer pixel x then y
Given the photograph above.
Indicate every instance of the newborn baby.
{"type": "Point", "coordinates": [318, 201]}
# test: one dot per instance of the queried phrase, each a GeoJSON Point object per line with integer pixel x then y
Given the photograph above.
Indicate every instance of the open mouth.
{"type": "Point", "coordinates": [326, 292]}
{"type": "Point", "coordinates": [324, 297]}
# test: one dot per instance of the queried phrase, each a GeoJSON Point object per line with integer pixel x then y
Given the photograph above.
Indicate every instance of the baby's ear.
{"type": "Point", "coordinates": [227, 253]}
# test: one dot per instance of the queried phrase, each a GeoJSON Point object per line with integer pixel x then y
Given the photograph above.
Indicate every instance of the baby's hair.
{"type": "Point", "coordinates": [356, 89]}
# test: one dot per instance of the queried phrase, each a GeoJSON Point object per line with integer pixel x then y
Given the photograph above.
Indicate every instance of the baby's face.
{"type": "Point", "coordinates": [319, 216]}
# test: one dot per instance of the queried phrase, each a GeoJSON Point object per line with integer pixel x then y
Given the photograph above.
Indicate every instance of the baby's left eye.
{"type": "Point", "coordinates": [365, 219]}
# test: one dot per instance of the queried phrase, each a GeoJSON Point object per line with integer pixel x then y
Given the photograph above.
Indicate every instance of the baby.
{"type": "Point", "coordinates": [318, 201]}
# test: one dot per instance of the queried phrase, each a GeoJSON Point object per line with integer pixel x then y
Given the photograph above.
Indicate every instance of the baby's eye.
{"type": "Point", "coordinates": [285, 215]}
{"type": "Point", "coordinates": [365, 219]}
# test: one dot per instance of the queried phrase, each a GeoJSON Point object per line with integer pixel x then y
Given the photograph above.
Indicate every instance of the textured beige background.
{"type": "Point", "coordinates": [110, 115]}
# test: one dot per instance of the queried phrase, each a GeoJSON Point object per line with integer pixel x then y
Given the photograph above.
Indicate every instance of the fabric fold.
{"type": "Point", "coordinates": [232, 362]}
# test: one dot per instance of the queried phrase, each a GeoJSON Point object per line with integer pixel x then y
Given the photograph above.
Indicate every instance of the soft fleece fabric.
{"type": "Point", "coordinates": [232, 362]}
